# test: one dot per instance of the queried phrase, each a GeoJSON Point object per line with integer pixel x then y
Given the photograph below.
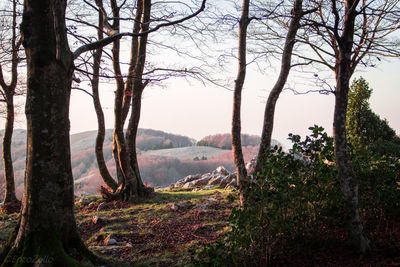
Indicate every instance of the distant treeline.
{"type": "Point", "coordinates": [224, 140]}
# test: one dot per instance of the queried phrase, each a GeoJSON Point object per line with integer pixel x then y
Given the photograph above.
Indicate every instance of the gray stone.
{"type": "Point", "coordinates": [188, 184]}
{"type": "Point", "coordinates": [222, 170]}
{"type": "Point", "coordinates": [102, 206]}
{"type": "Point", "coordinates": [109, 241]}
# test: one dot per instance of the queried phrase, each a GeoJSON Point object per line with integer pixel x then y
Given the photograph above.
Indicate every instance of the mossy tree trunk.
{"type": "Point", "coordinates": [46, 234]}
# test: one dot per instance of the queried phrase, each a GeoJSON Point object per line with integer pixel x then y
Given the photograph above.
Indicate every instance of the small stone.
{"type": "Point", "coordinates": [176, 206]}
{"type": "Point", "coordinates": [102, 206]}
{"type": "Point", "coordinates": [109, 241]}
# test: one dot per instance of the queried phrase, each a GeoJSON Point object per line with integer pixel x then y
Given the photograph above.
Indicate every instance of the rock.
{"type": "Point", "coordinates": [188, 184]}
{"type": "Point", "coordinates": [216, 180]}
{"type": "Point", "coordinates": [231, 185]}
{"type": "Point", "coordinates": [227, 180]}
{"type": "Point", "coordinates": [109, 241]}
{"type": "Point", "coordinates": [211, 186]}
{"type": "Point", "coordinates": [102, 206]}
{"type": "Point", "coordinates": [202, 181]}
{"type": "Point", "coordinates": [222, 170]}
{"type": "Point", "coordinates": [177, 206]}
{"type": "Point", "coordinates": [190, 178]}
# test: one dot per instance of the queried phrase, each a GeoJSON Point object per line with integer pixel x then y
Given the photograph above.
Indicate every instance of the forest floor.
{"type": "Point", "coordinates": [161, 231]}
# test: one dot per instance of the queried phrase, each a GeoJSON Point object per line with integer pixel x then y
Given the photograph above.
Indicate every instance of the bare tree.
{"type": "Point", "coordinates": [286, 63]}
{"type": "Point", "coordinates": [241, 172]}
{"type": "Point", "coordinates": [130, 86]}
{"type": "Point", "coordinates": [341, 36]}
{"type": "Point", "coordinates": [10, 58]}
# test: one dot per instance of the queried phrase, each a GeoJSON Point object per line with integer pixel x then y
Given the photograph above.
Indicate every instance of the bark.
{"type": "Point", "coordinates": [241, 172]}
{"type": "Point", "coordinates": [349, 182]}
{"type": "Point", "coordinates": [9, 194]}
{"type": "Point", "coordinates": [269, 113]}
{"type": "Point", "coordinates": [136, 79]}
{"type": "Point", "coordinates": [101, 130]}
{"type": "Point", "coordinates": [46, 234]}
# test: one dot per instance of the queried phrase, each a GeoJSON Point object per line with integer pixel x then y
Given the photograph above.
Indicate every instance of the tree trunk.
{"type": "Point", "coordinates": [269, 113]}
{"type": "Point", "coordinates": [9, 194]}
{"type": "Point", "coordinates": [241, 172]}
{"type": "Point", "coordinates": [46, 233]}
{"type": "Point", "coordinates": [101, 129]}
{"type": "Point", "coordinates": [349, 182]}
{"type": "Point", "coordinates": [131, 137]}
{"type": "Point", "coordinates": [10, 200]}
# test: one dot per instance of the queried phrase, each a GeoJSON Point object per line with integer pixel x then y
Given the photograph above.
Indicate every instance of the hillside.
{"type": "Point", "coordinates": [163, 158]}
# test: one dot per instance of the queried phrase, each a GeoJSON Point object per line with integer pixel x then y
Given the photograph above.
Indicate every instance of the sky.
{"type": "Point", "coordinates": [195, 110]}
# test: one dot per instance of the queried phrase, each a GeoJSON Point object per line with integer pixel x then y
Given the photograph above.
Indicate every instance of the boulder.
{"type": "Point", "coordinates": [222, 170]}
{"type": "Point", "coordinates": [202, 181]}
{"type": "Point", "coordinates": [216, 180]}
{"type": "Point", "coordinates": [227, 180]}
{"type": "Point", "coordinates": [188, 184]}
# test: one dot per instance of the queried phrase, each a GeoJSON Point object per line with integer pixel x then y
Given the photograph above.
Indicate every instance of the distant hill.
{"type": "Point", "coordinates": [224, 141]}
{"type": "Point", "coordinates": [163, 158]}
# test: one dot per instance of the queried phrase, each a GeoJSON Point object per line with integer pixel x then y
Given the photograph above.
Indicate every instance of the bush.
{"type": "Point", "coordinates": [291, 205]}
{"type": "Point", "coordinates": [297, 201]}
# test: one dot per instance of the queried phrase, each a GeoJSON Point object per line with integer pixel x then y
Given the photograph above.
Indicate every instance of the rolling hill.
{"type": "Point", "coordinates": [163, 158]}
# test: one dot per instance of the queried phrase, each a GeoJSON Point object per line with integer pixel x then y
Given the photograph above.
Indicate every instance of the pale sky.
{"type": "Point", "coordinates": [197, 110]}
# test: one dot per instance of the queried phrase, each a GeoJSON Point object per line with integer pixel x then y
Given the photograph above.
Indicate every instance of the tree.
{"type": "Point", "coordinates": [268, 124]}
{"type": "Point", "coordinates": [46, 232]}
{"type": "Point", "coordinates": [241, 172]}
{"type": "Point", "coordinates": [363, 125]}
{"type": "Point", "coordinates": [129, 92]}
{"type": "Point", "coordinates": [10, 51]}
{"type": "Point", "coordinates": [47, 229]}
{"type": "Point", "coordinates": [341, 35]}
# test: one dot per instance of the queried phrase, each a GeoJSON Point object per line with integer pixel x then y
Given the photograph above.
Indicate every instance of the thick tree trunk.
{"type": "Point", "coordinates": [286, 60]}
{"type": "Point", "coordinates": [138, 59]}
{"type": "Point", "coordinates": [9, 194]}
{"type": "Point", "coordinates": [349, 182]}
{"type": "Point", "coordinates": [46, 234]}
{"type": "Point", "coordinates": [101, 129]}
{"type": "Point", "coordinates": [241, 172]}
{"type": "Point", "coordinates": [131, 137]}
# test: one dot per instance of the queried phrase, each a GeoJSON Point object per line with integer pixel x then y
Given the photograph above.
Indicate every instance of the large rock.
{"type": "Point", "coordinates": [221, 170]}
{"type": "Point", "coordinates": [202, 181]}
{"type": "Point", "coordinates": [227, 180]}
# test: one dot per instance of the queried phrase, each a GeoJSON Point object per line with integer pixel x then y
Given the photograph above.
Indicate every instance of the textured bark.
{"type": "Point", "coordinates": [9, 194]}
{"type": "Point", "coordinates": [269, 113]}
{"type": "Point", "coordinates": [46, 234]}
{"type": "Point", "coordinates": [349, 182]}
{"type": "Point", "coordinates": [237, 153]}
{"type": "Point", "coordinates": [101, 129]}
{"type": "Point", "coordinates": [8, 90]}
{"type": "Point", "coordinates": [138, 59]}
